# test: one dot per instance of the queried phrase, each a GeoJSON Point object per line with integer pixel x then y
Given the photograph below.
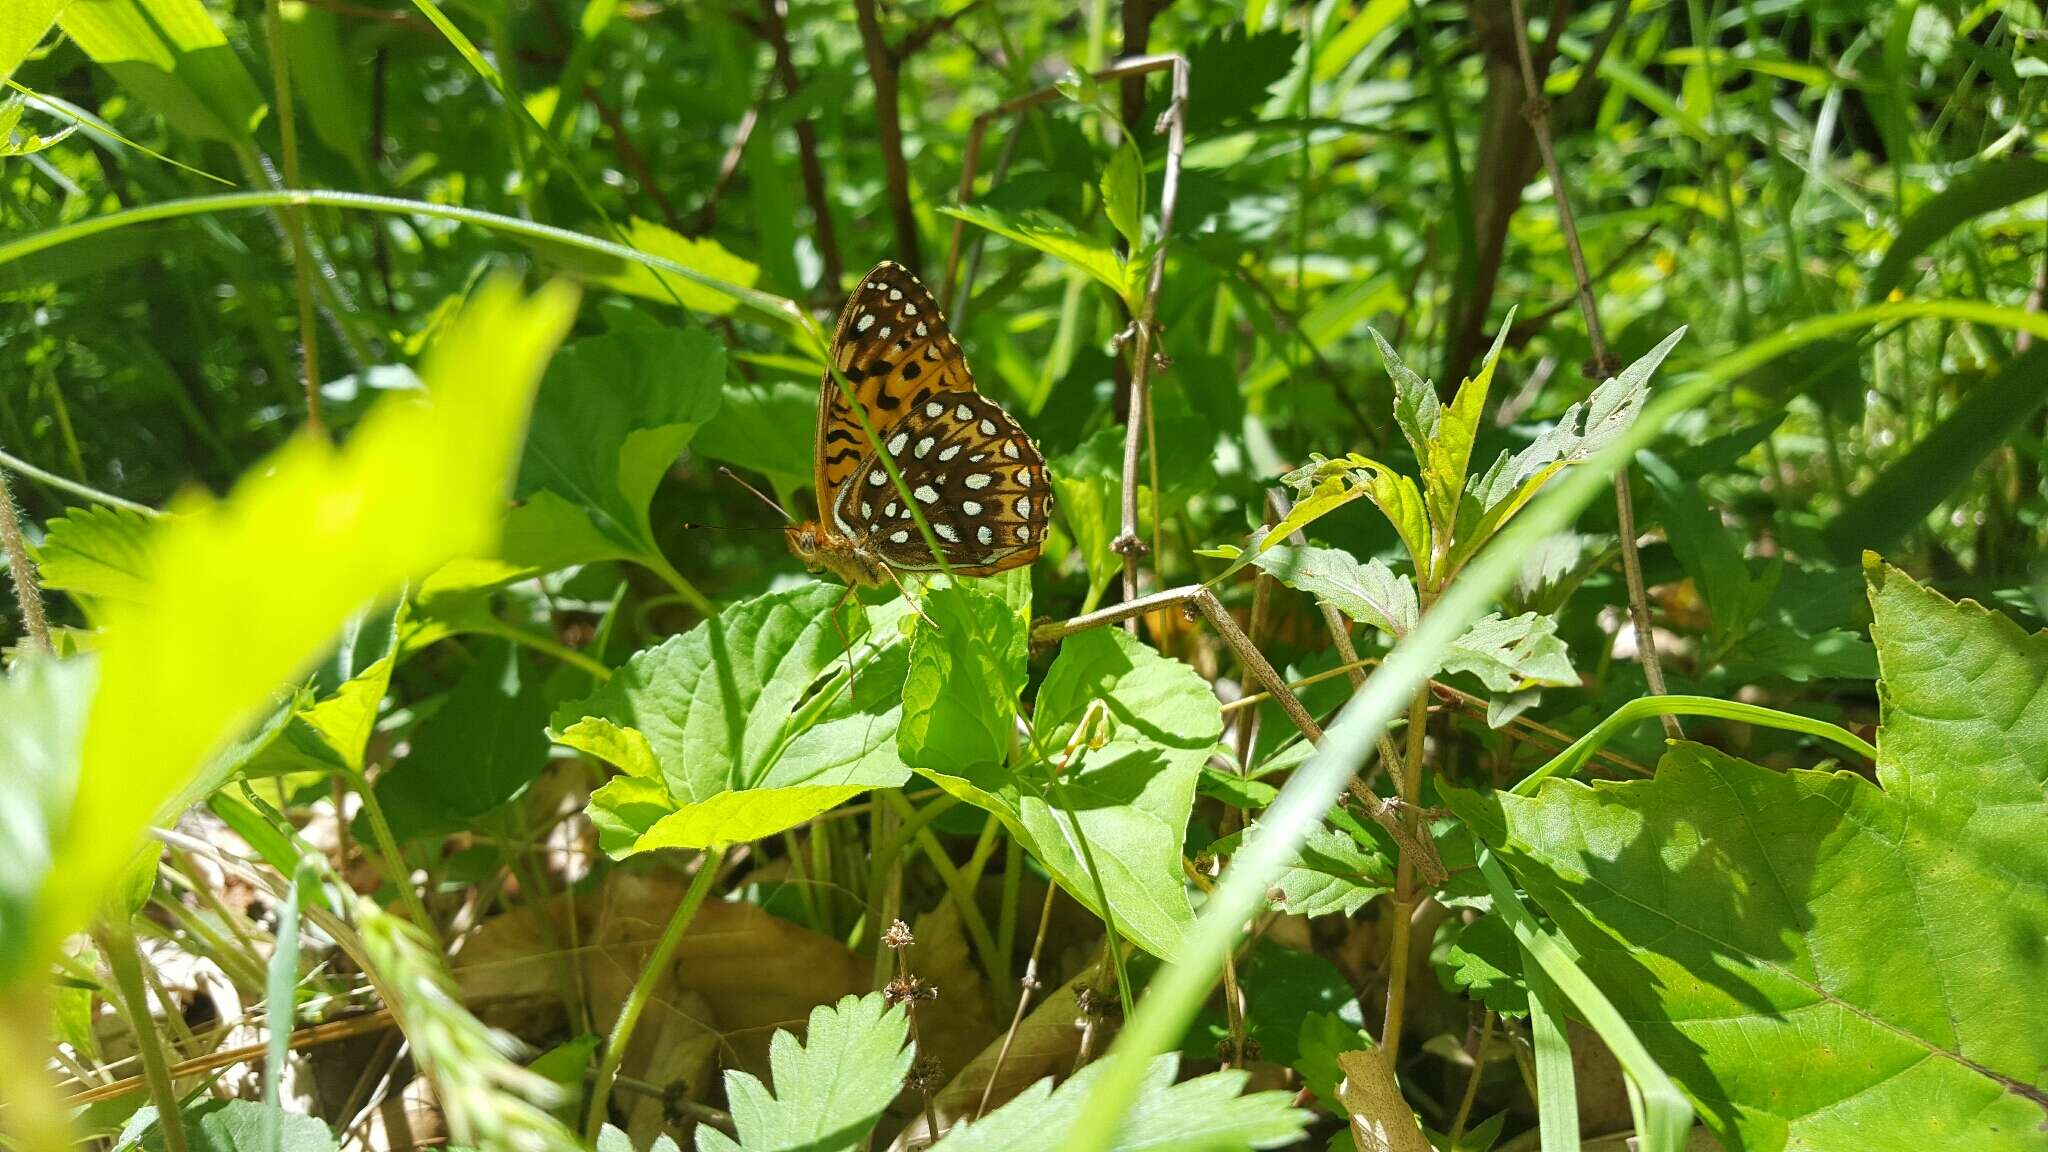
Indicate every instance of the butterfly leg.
{"type": "Point", "coordinates": [846, 639]}
{"type": "Point", "coordinates": [908, 598]}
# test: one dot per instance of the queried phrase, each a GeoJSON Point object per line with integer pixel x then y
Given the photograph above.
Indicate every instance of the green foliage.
{"type": "Point", "coordinates": [724, 734]}
{"type": "Point", "coordinates": [1731, 979]}
{"type": "Point", "coordinates": [1207, 1114]}
{"type": "Point", "coordinates": [230, 1126]}
{"type": "Point", "coordinates": [829, 1090]}
{"type": "Point", "coordinates": [95, 552]}
{"type": "Point", "coordinates": [477, 752]}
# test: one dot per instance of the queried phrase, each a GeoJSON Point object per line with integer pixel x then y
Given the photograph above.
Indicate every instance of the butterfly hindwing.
{"type": "Point", "coordinates": [893, 345]}
{"type": "Point", "coordinates": [976, 476]}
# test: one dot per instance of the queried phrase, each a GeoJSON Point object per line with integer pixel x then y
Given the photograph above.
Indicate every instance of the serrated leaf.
{"type": "Point", "coordinates": [230, 1126]}
{"type": "Point", "coordinates": [420, 482]}
{"type": "Point", "coordinates": [1486, 963]}
{"type": "Point", "coordinates": [1450, 450]}
{"type": "Point", "coordinates": [829, 1090]}
{"type": "Point", "coordinates": [1333, 874]}
{"type": "Point", "coordinates": [1509, 655]}
{"type": "Point", "coordinates": [1417, 411]}
{"type": "Point", "coordinates": [1370, 593]}
{"type": "Point", "coordinates": [1054, 237]}
{"type": "Point", "coordinates": [1814, 957]}
{"type": "Point", "coordinates": [97, 551]}
{"type": "Point", "coordinates": [1324, 1036]}
{"type": "Point", "coordinates": [613, 414]}
{"type": "Point", "coordinates": [330, 726]}
{"type": "Point", "coordinates": [1206, 1114]}
{"type": "Point", "coordinates": [1231, 75]}
{"type": "Point", "coordinates": [721, 735]}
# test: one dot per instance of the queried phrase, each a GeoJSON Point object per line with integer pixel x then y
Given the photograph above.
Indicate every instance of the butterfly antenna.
{"type": "Point", "coordinates": [733, 476]}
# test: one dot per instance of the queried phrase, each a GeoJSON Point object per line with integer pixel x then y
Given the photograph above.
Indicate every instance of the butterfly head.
{"type": "Point", "coordinates": [823, 552]}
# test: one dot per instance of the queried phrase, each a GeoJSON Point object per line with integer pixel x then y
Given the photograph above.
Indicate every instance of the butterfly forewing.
{"type": "Point", "coordinates": [975, 475]}
{"type": "Point", "coordinates": [894, 347]}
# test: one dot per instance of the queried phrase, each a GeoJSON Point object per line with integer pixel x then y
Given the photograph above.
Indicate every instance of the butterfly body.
{"type": "Point", "coordinates": [976, 478]}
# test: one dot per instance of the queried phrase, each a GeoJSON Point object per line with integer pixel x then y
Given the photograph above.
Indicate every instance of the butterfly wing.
{"type": "Point", "coordinates": [976, 476]}
{"type": "Point", "coordinates": [893, 345]}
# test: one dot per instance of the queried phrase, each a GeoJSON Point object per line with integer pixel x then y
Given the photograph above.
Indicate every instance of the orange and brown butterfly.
{"type": "Point", "coordinates": [977, 478]}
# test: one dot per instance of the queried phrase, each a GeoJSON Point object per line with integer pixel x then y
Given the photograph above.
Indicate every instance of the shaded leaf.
{"type": "Point", "coordinates": [829, 1090]}
{"type": "Point", "coordinates": [960, 697]}
{"type": "Point", "coordinates": [479, 751]}
{"type": "Point", "coordinates": [1985, 188]}
{"type": "Point", "coordinates": [97, 551]}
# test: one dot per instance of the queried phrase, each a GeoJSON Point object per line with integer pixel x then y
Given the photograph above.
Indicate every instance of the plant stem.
{"type": "Point", "coordinates": [643, 990]}
{"type": "Point", "coordinates": [62, 484]}
{"type": "Point", "coordinates": [1408, 782]}
{"type": "Point", "coordinates": [295, 216]}
{"type": "Point", "coordinates": [1029, 984]}
{"type": "Point", "coordinates": [26, 592]}
{"type": "Point", "coordinates": [1472, 1082]}
{"type": "Point", "coordinates": [117, 940]}
{"type": "Point", "coordinates": [1537, 112]}
{"type": "Point", "coordinates": [387, 847]}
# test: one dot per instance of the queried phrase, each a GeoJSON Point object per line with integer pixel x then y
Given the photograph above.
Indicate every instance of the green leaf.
{"type": "Point", "coordinates": [960, 698]}
{"type": "Point", "coordinates": [1370, 593]}
{"type": "Point", "coordinates": [230, 1126]}
{"type": "Point", "coordinates": [725, 734]}
{"type": "Point", "coordinates": [43, 705]}
{"type": "Point", "coordinates": [613, 414]}
{"type": "Point", "coordinates": [1206, 1114]}
{"type": "Point", "coordinates": [331, 729]}
{"type": "Point", "coordinates": [1128, 794]}
{"type": "Point", "coordinates": [1231, 76]}
{"type": "Point", "coordinates": [701, 254]}
{"type": "Point", "coordinates": [1323, 1037]}
{"type": "Point", "coordinates": [1449, 452]}
{"type": "Point", "coordinates": [1814, 957]}
{"type": "Point", "coordinates": [1913, 485]}
{"type": "Point", "coordinates": [22, 25]}
{"type": "Point", "coordinates": [1052, 236]}
{"type": "Point", "coordinates": [1485, 963]}
{"type": "Point", "coordinates": [322, 81]}
{"type": "Point", "coordinates": [1985, 188]}
{"type": "Point", "coordinates": [1710, 552]}
{"type": "Point", "coordinates": [97, 552]}
{"type": "Point", "coordinates": [1334, 873]}
{"type": "Point", "coordinates": [172, 58]}
{"type": "Point", "coordinates": [478, 752]}
{"type": "Point", "coordinates": [1492, 498]}
{"type": "Point", "coordinates": [1509, 655]}
{"type": "Point", "coordinates": [1123, 194]}
{"type": "Point", "coordinates": [1323, 486]}
{"type": "Point", "coordinates": [752, 430]}
{"type": "Point", "coordinates": [245, 592]}
{"type": "Point", "coordinates": [1087, 486]}
{"type": "Point", "coordinates": [829, 1090]}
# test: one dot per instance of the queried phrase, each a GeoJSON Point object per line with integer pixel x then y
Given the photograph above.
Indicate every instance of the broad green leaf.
{"type": "Point", "coordinates": [960, 698]}
{"type": "Point", "coordinates": [1123, 194]}
{"type": "Point", "coordinates": [1206, 1114]}
{"type": "Point", "coordinates": [1555, 569]}
{"type": "Point", "coordinates": [1985, 188]}
{"type": "Point", "coordinates": [758, 428]}
{"type": "Point", "coordinates": [1128, 795]}
{"type": "Point", "coordinates": [1055, 238]}
{"type": "Point", "coordinates": [1492, 498]}
{"type": "Point", "coordinates": [480, 750]}
{"type": "Point", "coordinates": [1322, 1038]}
{"type": "Point", "coordinates": [1915, 484]}
{"type": "Point", "coordinates": [700, 253]}
{"type": "Point", "coordinates": [1815, 958]}
{"type": "Point", "coordinates": [1370, 593]}
{"type": "Point", "coordinates": [213, 1125]}
{"type": "Point", "coordinates": [828, 1091]}
{"type": "Point", "coordinates": [724, 733]}
{"type": "Point", "coordinates": [22, 25]}
{"type": "Point", "coordinates": [1231, 75]}
{"type": "Point", "coordinates": [43, 704]}
{"type": "Point", "coordinates": [173, 59]}
{"type": "Point", "coordinates": [1284, 986]}
{"type": "Point", "coordinates": [322, 81]}
{"type": "Point", "coordinates": [246, 591]}
{"type": "Point", "coordinates": [1710, 552]}
{"type": "Point", "coordinates": [1323, 486]}
{"type": "Point", "coordinates": [97, 552]}
{"type": "Point", "coordinates": [1509, 655]}
{"type": "Point", "coordinates": [613, 414]}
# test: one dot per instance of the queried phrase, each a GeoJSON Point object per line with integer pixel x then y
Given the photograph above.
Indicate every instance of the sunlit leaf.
{"type": "Point", "coordinates": [1055, 238]}
{"type": "Point", "coordinates": [1206, 1114]}
{"type": "Point", "coordinates": [828, 1090]}
{"type": "Point", "coordinates": [1369, 593]}
{"type": "Point", "coordinates": [97, 552]}
{"type": "Point", "coordinates": [172, 57]}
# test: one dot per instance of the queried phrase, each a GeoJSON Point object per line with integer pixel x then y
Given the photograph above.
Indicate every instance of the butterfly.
{"type": "Point", "coordinates": [977, 478]}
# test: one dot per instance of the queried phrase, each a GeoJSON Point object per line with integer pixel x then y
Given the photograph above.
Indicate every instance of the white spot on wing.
{"type": "Point", "coordinates": [971, 507]}
{"type": "Point", "coordinates": [895, 293]}
{"type": "Point", "coordinates": [1023, 533]}
{"type": "Point", "coordinates": [934, 411]}
{"type": "Point", "coordinates": [889, 509]}
{"type": "Point", "coordinates": [921, 330]}
{"type": "Point", "coordinates": [1024, 506]}
{"type": "Point", "coordinates": [976, 481]}
{"type": "Point", "coordinates": [946, 533]}
{"type": "Point", "coordinates": [897, 442]}
{"type": "Point", "coordinates": [908, 309]}
{"type": "Point", "coordinates": [1023, 477]}
{"type": "Point", "coordinates": [931, 352]}
{"type": "Point", "coordinates": [867, 511]}
{"type": "Point", "coordinates": [988, 427]}
{"type": "Point", "coordinates": [864, 323]}
{"type": "Point", "coordinates": [949, 453]}
{"type": "Point", "coordinates": [985, 534]}
{"type": "Point", "coordinates": [884, 333]}
{"type": "Point", "coordinates": [923, 446]}
{"type": "Point", "coordinates": [901, 536]}
{"type": "Point", "coordinates": [925, 494]}
{"type": "Point", "coordinates": [878, 477]}
{"type": "Point", "coordinates": [963, 412]}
